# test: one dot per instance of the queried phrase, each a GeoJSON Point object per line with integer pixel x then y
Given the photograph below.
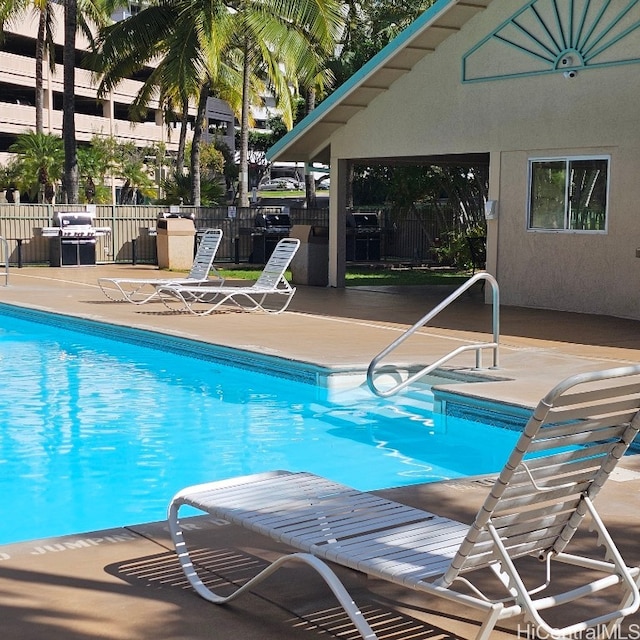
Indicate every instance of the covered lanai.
{"type": "Point", "coordinates": [543, 91]}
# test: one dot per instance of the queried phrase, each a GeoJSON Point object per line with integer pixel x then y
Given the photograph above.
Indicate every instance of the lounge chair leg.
{"type": "Point", "coordinates": [338, 589]}
{"type": "Point", "coordinates": [613, 626]}
{"type": "Point", "coordinates": [490, 622]}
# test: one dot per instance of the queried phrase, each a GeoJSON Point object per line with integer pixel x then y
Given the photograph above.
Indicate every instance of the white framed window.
{"type": "Point", "coordinates": [568, 194]}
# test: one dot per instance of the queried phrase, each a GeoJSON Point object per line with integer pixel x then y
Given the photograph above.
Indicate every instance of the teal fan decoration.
{"type": "Point", "coordinates": [551, 36]}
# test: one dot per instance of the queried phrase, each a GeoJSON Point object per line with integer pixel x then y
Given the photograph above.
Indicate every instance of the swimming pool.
{"type": "Point", "coordinates": [101, 425]}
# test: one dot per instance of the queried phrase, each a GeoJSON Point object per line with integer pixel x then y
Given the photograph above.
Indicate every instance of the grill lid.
{"type": "Point", "coordinates": [362, 220]}
{"type": "Point", "coordinates": [66, 219]}
{"type": "Point", "coordinates": [273, 221]}
{"type": "Point", "coordinates": [75, 224]}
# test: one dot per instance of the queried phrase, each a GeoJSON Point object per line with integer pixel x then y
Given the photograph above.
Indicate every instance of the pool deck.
{"type": "Point", "coordinates": [126, 584]}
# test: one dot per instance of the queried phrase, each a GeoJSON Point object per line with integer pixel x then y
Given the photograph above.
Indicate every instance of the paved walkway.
{"type": "Point", "coordinates": [125, 583]}
{"type": "Point", "coordinates": [344, 328]}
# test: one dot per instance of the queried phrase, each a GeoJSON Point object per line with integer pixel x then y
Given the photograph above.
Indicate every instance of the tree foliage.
{"type": "Point", "coordinates": [213, 184]}
{"type": "Point", "coordinates": [232, 49]}
{"type": "Point", "coordinates": [211, 160]}
{"type": "Point", "coordinates": [132, 168]}
{"type": "Point", "coordinates": [407, 190]}
{"type": "Point", "coordinates": [79, 15]}
{"type": "Point", "coordinates": [40, 163]}
{"type": "Point", "coordinates": [370, 26]}
{"type": "Point", "coordinates": [261, 141]}
{"type": "Point", "coordinates": [96, 164]}
{"type": "Point", "coordinates": [420, 191]}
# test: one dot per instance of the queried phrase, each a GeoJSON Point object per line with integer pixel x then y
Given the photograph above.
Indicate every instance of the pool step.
{"type": "Point", "coordinates": [364, 408]}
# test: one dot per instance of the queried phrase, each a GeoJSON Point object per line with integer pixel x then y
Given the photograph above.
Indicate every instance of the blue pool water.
{"type": "Point", "coordinates": [100, 426]}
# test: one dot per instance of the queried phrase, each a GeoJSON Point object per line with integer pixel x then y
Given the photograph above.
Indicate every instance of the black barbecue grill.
{"type": "Point", "coordinates": [273, 223]}
{"type": "Point", "coordinates": [269, 229]}
{"type": "Point", "coordinates": [363, 237]}
{"type": "Point", "coordinates": [72, 238]}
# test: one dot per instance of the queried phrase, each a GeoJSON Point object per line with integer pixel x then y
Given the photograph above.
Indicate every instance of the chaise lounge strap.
{"type": "Point", "coordinates": [358, 530]}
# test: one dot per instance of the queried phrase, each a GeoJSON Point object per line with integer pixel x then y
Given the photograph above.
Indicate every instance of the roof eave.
{"type": "Point", "coordinates": [403, 40]}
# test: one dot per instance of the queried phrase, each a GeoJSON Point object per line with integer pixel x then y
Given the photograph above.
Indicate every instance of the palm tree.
{"type": "Point", "coordinates": [15, 9]}
{"type": "Point", "coordinates": [95, 164]}
{"type": "Point", "coordinates": [130, 165]}
{"type": "Point", "coordinates": [71, 178]}
{"type": "Point", "coordinates": [40, 160]}
{"type": "Point", "coordinates": [280, 41]}
{"type": "Point", "coordinates": [230, 48]}
{"type": "Point", "coordinates": [187, 37]}
{"type": "Point", "coordinates": [78, 15]}
{"type": "Point", "coordinates": [44, 46]}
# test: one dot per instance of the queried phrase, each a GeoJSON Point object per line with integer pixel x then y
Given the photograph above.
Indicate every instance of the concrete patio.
{"type": "Point", "coordinates": [126, 584]}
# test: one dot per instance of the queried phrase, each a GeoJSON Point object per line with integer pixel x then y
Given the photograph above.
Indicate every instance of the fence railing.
{"type": "Point", "coordinates": [4, 260]}
{"type": "Point", "coordinates": [132, 240]}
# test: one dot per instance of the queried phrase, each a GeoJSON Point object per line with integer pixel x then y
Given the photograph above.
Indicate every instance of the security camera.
{"type": "Point", "coordinates": [566, 61]}
{"type": "Point", "coordinates": [570, 74]}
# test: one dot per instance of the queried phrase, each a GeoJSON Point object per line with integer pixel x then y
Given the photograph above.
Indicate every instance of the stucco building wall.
{"type": "Point", "coordinates": [430, 111]}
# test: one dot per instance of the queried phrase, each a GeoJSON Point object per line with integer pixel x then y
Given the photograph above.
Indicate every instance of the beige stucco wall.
{"type": "Point", "coordinates": [430, 111]}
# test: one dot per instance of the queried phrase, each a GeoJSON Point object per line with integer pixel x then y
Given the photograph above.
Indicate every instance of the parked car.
{"type": "Point", "coordinates": [281, 184]}
{"type": "Point", "coordinates": [323, 183]}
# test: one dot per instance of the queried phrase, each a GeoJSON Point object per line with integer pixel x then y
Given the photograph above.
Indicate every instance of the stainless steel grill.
{"type": "Point", "coordinates": [73, 238]}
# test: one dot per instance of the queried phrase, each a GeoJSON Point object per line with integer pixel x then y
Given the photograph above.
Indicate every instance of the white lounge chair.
{"type": "Point", "coordinates": [270, 286]}
{"type": "Point", "coordinates": [141, 290]}
{"type": "Point", "coordinates": [569, 447]}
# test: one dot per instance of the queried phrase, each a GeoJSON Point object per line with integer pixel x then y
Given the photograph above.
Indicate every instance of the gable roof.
{"type": "Point", "coordinates": [308, 141]}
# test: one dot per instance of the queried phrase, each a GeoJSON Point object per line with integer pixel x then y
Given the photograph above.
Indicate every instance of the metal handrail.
{"type": "Point", "coordinates": [478, 347]}
{"type": "Point", "coordinates": [5, 251]}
